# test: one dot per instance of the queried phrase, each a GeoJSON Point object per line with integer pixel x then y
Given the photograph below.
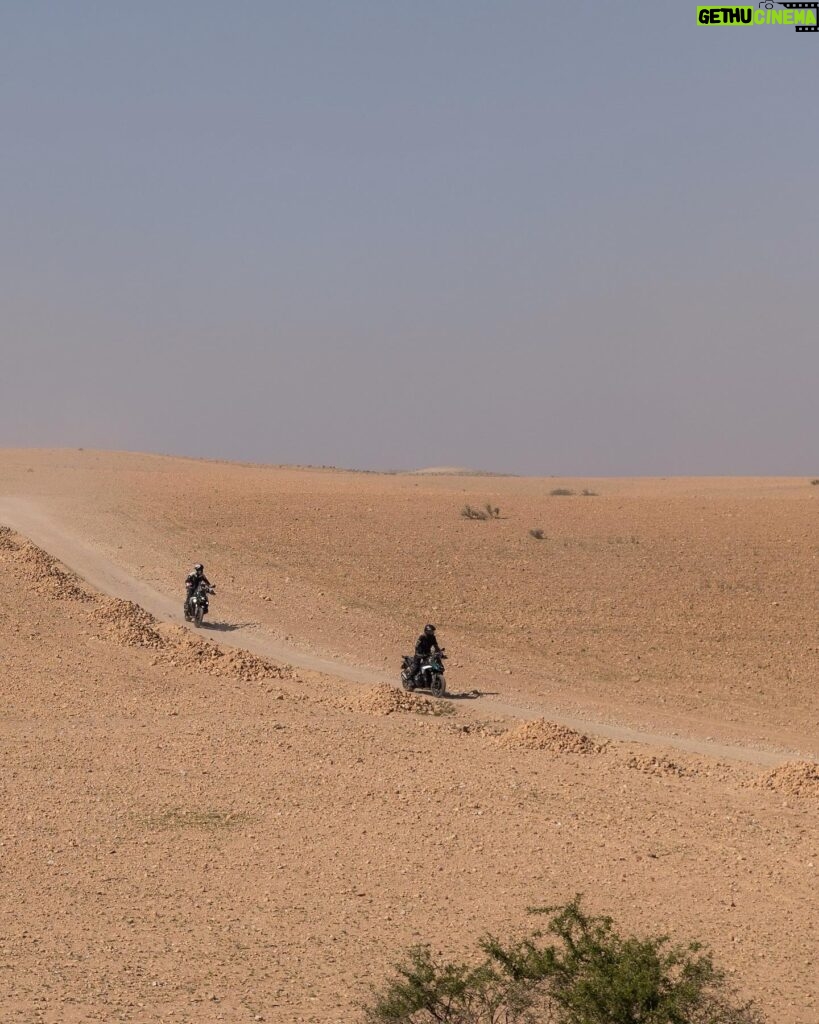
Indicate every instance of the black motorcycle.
{"type": "Point", "coordinates": [196, 607]}
{"type": "Point", "coordinates": [430, 675]}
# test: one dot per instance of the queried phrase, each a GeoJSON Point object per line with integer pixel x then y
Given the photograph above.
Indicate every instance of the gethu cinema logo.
{"type": "Point", "coordinates": [803, 16]}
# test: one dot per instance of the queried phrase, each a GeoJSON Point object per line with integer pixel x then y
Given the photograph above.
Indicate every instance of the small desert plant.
{"type": "Point", "coordinates": [473, 513]}
{"type": "Point", "coordinates": [815, 483]}
{"type": "Point", "coordinates": [489, 511]}
{"type": "Point", "coordinates": [561, 492]}
{"type": "Point", "coordinates": [588, 494]}
{"type": "Point", "coordinates": [579, 971]}
{"type": "Point", "coordinates": [537, 534]}
{"type": "Point", "coordinates": [209, 820]}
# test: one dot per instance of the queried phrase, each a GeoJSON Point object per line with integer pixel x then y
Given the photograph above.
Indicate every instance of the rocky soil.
{"type": "Point", "coordinates": [192, 833]}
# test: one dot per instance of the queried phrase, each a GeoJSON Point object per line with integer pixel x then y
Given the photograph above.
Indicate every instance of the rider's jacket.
{"type": "Point", "coordinates": [193, 579]}
{"type": "Point", "coordinates": [425, 645]}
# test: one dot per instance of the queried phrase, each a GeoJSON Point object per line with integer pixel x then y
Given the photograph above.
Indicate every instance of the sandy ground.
{"type": "Point", "coordinates": [195, 834]}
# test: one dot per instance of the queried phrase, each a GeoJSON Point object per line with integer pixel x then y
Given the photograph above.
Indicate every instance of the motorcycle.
{"type": "Point", "coordinates": [430, 675]}
{"type": "Point", "coordinates": [196, 607]}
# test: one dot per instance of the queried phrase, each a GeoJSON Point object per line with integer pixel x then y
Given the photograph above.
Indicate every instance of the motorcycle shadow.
{"type": "Point", "coordinates": [470, 694]}
{"type": "Point", "coordinates": [225, 627]}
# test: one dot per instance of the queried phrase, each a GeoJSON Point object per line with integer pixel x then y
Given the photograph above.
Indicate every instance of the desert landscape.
{"type": "Point", "coordinates": [251, 822]}
{"type": "Point", "coordinates": [396, 321]}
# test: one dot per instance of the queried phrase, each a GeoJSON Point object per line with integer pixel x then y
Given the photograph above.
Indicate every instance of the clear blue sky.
{"type": "Point", "coordinates": [544, 238]}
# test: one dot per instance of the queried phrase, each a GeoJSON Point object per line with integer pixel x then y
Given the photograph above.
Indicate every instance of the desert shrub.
{"type": "Point", "coordinates": [578, 970]}
{"type": "Point", "coordinates": [561, 492]}
{"type": "Point", "coordinates": [537, 534]}
{"type": "Point", "coordinates": [489, 511]}
{"type": "Point", "coordinates": [426, 991]}
{"type": "Point", "coordinates": [588, 494]}
{"type": "Point", "coordinates": [473, 513]}
{"type": "Point", "coordinates": [815, 483]}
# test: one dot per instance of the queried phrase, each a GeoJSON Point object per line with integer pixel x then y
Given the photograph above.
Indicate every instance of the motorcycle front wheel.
{"type": "Point", "coordinates": [198, 615]}
{"type": "Point", "coordinates": [437, 686]}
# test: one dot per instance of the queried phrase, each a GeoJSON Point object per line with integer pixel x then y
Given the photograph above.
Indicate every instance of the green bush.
{"type": "Point", "coordinates": [578, 971]}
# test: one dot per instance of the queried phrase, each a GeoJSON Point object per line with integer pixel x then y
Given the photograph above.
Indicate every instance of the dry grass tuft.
{"type": "Point", "coordinates": [209, 819]}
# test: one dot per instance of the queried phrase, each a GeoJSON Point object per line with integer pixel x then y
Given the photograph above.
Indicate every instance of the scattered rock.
{"type": "Point", "coordinates": [477, 729]}
{"type": "Point", "coordinates": [7, 540]}
{"type": "Point", "coordinates": [45, 575]}
{"type": "Point", "coordinates": [128, 624]}
{"type": "Point", "coordinates": [662, 766]}
{"type": "Point", "coordinates": [132, 626]}
{"type": "Point", "coordinates": [388, 700]}
{"type": "Point", "coordinates": [795, 778]}
{"type": "Point", "coordinates": [192, 653]}
{"type": "Point", "coordinates": [544, 735]}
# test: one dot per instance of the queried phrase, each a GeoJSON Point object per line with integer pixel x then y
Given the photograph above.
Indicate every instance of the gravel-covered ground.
{"type": "Point", "coordinates": [195, 835]}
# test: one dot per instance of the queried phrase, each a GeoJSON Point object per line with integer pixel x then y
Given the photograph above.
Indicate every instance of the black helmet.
{"type": "Point", "coordinates": [429, 629]}
{"type": "Point", "coordinates": [199, 567]}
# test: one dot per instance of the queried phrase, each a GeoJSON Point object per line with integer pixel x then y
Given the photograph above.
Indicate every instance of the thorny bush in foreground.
{"type": "Point", "coordinates": [579, 971]}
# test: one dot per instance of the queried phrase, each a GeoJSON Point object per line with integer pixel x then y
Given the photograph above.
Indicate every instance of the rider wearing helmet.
{"type": "Point", "coordinates": [424, 646]}
{"type": "Point", "coordinates": [192, 581]}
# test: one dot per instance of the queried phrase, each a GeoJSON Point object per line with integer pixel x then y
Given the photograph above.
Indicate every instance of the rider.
{"type": "Point", "coordinates": [192, 581]}
{"type": "Point", "coordinates": [424, 646]}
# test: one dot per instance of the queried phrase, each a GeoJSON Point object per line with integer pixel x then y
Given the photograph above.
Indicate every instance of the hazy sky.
{"type": "Point", "coordinates": [526, 236]}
